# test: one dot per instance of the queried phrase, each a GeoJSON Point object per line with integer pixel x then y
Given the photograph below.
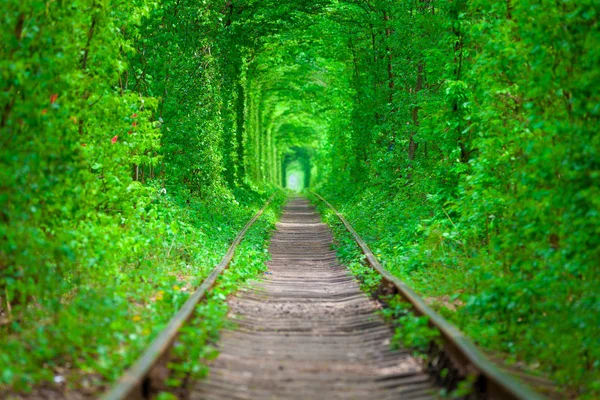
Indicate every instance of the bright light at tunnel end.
{"type": "Point", "coordinates": [295, 181]}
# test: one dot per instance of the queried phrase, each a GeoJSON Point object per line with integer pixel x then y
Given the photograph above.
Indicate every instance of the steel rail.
{"type": "Point", "coordinates": [134, 383]}
{"type": "Point", "coordinates": [497, 384]}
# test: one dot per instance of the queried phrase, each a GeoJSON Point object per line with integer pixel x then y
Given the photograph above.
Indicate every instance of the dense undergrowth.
{"type": "Point", "coordinates": [528, 321]}
{"type": "Point", "coordinates": [101, 322]}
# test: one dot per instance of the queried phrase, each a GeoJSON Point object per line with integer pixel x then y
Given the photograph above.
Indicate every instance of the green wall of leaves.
{"type": "Point", "coordinates": [470, 162]}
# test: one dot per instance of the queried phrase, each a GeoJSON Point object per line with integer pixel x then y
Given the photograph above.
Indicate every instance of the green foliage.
{"type": "Point", "coordinates": [470, 167]}
{"type": "Point", "coordinates": [122, 178]}
{"type": "Point", "coordinates": [464, 388]}
{"type": "Point", "coordinates": [410, 330]}
{"type": "Point", "coordinates": [129, 302]}
{"type": "Point", "coordinates": [458, 137]}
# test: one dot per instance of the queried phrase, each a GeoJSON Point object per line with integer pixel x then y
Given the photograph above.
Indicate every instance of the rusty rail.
{"type": "Point", "coordinates": [463, 353]}
{"type": "Point", "coordinates": [136, 382]}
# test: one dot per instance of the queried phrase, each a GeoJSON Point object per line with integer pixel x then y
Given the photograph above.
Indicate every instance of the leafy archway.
{"type": "Point", "coordinates": [297, 166]}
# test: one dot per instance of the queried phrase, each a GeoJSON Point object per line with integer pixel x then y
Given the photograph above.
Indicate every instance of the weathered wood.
{"type": "Point", "coordinates": [307, 331]}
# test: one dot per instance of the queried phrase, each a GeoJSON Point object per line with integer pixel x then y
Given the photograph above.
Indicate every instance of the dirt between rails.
{"type": "Point", "coordinates": [307, 331]}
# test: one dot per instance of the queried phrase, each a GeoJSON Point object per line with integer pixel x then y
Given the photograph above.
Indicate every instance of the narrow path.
{"type": "Point", "coordinates": [307, 331]}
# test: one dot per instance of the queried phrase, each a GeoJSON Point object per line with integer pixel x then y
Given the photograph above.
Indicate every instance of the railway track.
{"type": "Point", "coordinates": [307, 331]}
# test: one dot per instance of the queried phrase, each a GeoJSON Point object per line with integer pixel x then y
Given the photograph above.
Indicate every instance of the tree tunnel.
{"type": "Point", "coordinates": [289, 113]}
{"type": "Point", "coordinates": [297, 168]}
